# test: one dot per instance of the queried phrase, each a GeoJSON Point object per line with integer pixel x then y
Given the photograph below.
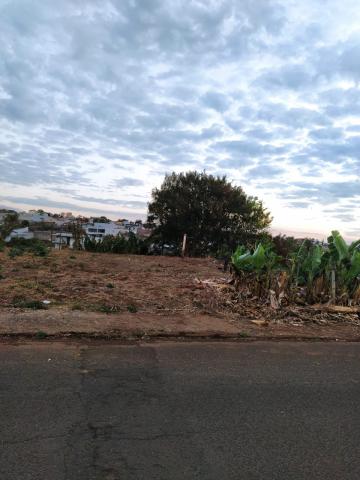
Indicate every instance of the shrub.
{"type": "Point", "coordinates": [41, 335]}
{"type": "Point", "coordinates": [105, 308]}
{"type": "Point", "coordinates": [132, 308]}
{"type": "Point", "coordinates": [15, 252]}
{"type": "Point", "coordinates": [33, 304]}
{"type": "Point", "coordinates": [19, 246]}
{"type": "Point", "coordinates": [117, 244]}
{"type": "Point", "coordinates": [77, 306]}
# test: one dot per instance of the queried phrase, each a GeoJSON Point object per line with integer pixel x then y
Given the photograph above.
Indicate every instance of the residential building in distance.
{"type": "Point", "coordinates": [34, 216]}
{"type": "Point", "coordinates": [98, 230]}
{"type": "Point", "coordinates": [23, 232]}
{"type": "Point", "coordinates": [128, 226]}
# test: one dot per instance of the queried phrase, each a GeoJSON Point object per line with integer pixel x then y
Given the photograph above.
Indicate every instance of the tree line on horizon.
{"type": "Point", "coordinates": [215, 215]}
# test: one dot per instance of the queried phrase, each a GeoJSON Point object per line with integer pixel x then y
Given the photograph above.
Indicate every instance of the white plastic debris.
{"type": "Point", "coordinates": [46, 302]}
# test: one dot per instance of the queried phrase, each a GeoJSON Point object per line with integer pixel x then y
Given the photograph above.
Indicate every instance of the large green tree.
{"type": "Point", "coordinates": [214, 214]}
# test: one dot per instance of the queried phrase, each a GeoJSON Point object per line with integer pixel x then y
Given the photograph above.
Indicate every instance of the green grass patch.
{"type": "Point", "coordinates": [132, 308]}
{"type": "Point", "coordinates": [106, 308]}
{"type": "Point", "coordinates": [32, 304]}
{"type": "Point", "coordinates": [41, 335]}
{"type": "Point", "coordinates": [244, 334]}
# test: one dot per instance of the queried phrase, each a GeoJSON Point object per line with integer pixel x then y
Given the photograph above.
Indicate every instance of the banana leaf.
{"type": "Point", "coordinates": [354, 246]}
{"type": "Point", "coordinates": [241, 259]}
{"type": "Point", "coordinates": [259, 258]}
{"type": "Point", "coordinates": [354, 271]}
{"type": "Point", "coordinates": [311, 265]}
{"type": "Point", "coordinates": [340, 245]}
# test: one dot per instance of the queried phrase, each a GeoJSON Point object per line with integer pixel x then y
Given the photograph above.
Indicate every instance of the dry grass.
{"type": "Point", "coordinates": [106, 282]}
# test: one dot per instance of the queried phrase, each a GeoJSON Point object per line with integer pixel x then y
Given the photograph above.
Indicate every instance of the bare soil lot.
{"type": "Point", "coordinates": [105, 282]}
{"type": "Point", "coordinates": [145, 295]}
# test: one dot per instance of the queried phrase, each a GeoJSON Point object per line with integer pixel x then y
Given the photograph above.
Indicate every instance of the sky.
{"type": "Point", "coordinates": [99, 99]}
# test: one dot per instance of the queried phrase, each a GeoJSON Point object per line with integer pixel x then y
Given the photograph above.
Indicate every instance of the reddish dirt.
{"type": "Point", "coordinates": [88, 281]}
{"type": "Point", "coordinates": [96, 293]}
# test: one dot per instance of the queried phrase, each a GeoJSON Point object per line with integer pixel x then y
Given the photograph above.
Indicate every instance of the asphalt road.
{"type": "Point", "coordinates": [180, 411]}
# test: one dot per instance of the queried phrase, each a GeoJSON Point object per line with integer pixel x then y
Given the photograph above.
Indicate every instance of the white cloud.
{"type": "Point", "coordinates": [97, 102]}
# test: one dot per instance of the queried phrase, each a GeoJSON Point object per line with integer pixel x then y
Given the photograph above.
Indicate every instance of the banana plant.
{"type": "Point", "coordinates": [307, 263]}
{"type": "Point", "coordinates": [244, 260]}
{"type": "Point", "coordinates": [341, 247]}
{"type": "Point", "coordinates": [326, 271]}
{"type": "Point", "coordinates": [345, 262]}
{"type": "Point", "coordinates": [353, 273]}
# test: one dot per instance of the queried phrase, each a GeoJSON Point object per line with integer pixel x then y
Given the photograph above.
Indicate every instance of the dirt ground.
{"type": "Point", "coordinates": [105, 282]}
{"type": "Point", "coordinates": [96, 293]}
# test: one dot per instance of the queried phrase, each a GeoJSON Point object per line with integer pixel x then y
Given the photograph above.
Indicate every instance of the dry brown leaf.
{"type": "Point", "coordinates": [260, 323]}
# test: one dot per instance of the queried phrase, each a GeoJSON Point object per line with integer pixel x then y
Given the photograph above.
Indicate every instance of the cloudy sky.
{"type": "Point", "coordinates": [99, 99]}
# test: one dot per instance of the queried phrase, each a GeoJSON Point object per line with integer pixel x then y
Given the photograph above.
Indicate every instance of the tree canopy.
{"type": "Point", "coordinates": [10, 221]}
{"type": "Point", "coordinates": [214, 214]}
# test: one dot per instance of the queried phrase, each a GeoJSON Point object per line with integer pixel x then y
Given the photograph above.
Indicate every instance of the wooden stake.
{"type": "Point", "coordinates": [183, 246]}
{"type": "Point", "coordinates": [333, 286]}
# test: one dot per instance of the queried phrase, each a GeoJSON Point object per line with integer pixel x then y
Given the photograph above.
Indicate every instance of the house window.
{"type": "Point", "coordinates": [101, 230]}
{"type": "Point", "coordinates": [92, 229]}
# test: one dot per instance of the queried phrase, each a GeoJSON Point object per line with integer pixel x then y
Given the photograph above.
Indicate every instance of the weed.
{"type": "Point", "coordinates": [110, 285]}
{"type": "Point", "coordinates": [29, 265]}
{"type": "Point", "coordinates": [40, 335]}
{"type": "Point", "coordinates": [19, 246]}
{"type": "Point", "coordinates": [244, 335]}
{"type": "Point", "coordinates": [33, 304]}
{"type": "Point", "coordinates": [72, 257]}
{"type": "Point", "coordinates": [15, 252]}
{"type": "Point", "coordinates": [198, 304]}
{"type": "Point", "coordinates": [105, 308]}
{"type": "Point", "coordinates": [40, 250]}
{"type": "Point", "coordinates": [132, 308]}
{"type": "Point", "coordinates": [77, 306]}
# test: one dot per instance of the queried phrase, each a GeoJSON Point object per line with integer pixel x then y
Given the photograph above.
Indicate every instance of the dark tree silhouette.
{"type": "Point", "coordinates": [214, 214]}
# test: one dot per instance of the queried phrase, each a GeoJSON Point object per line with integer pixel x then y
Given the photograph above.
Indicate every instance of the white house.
{"type": "Point", "coordinates": [19, 233]}
{"type": "Point", "coordinates": [97, 230]}
{"type": "Point", "coordinates": [128, 226]}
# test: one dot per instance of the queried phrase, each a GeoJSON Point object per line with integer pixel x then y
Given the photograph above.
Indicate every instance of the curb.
{"type": "Point", "coordinates": [153, 337]}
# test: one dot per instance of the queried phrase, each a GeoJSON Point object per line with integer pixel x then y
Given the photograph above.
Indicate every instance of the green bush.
{"type": "Point", "coordinates": [132, 308]}
{"type": "Point", "coordinates": [33, 304]}
{"type": "Point", "coordinates": [41, 335]}
{"type": "Point", "coordinates": [15, 252]}
{"type": "Point", "coordinates": [117, 244]}
{"type": "Point", "coordinates": [19, 246]}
